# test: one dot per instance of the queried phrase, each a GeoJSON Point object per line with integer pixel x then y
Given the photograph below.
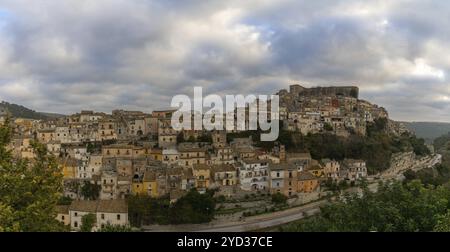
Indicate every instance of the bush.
{"type": "Point", "coordinates": [87, 222]}
{"type": "Point", "coordinates": [221, 199]}
{"type": "Point", "coordinates": [395, 207]}
{"type": "Point", "coordinates": [65, 200]}
{"type": "Point", "coordinates": [279, 199]}
{"type": "Point", "coordinates": [115, 228]}
{"type": "Point", "coordinates": [193, 208]}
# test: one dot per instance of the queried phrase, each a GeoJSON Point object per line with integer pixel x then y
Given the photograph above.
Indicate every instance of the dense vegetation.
{"type": "Point", "coordinates": [87, 222]}
{"type": "Point", "coordinates": [191, 208]}
{"type": "Point", "coordinates": [438, 175]}
{"type": "Point", "coordinates": [376, 148]}
{"type": "Point", "coordinates": [279, 199]}
{"type": "Point", "coordinates": [23, 112]}
{"type": "Point", "coordinates": [396, 207]}
{"type": "Point", "coordinates": [420, 203]}
{"type": "Point", "coordinates": [29, 190]}
{"type": "Point", "coordinates": [90, 191]}
{"type": "Point", "coordinates": [108, 228]}
{"type": "Point", "coordinates": [206, 138]}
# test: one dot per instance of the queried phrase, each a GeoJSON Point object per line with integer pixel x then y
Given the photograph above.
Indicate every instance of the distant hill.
{"type": "Point", "coordinates": [23, 112]}
{"type": "Point", "coordinates": [428, 130]}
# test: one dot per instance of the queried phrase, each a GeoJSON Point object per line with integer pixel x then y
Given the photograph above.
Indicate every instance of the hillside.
{"type": "Point", "coordinates": [428, 130]}
{"type": "Point", "coordinates": [20, 111]}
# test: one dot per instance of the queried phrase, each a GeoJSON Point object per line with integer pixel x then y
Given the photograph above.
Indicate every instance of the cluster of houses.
{"type": "Point", "coordinates": [336, 110]}
{"type": "Point", "coordinates": [132, 152]}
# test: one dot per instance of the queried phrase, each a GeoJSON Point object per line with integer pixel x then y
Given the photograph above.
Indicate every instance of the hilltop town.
{"type": "Point", "coordinates": [129, 153]}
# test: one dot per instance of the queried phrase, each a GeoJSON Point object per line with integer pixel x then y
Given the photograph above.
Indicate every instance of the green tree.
{"type": "Point", "coordinates": [115, 228]}
{"type": "Point", "coordinates": [65, 200]}
{"type": "Point", "coordinates": [443, 223]}
{"type": "Point", "coordinates": [395, 207]}
{"type": "Point", "coordinates": [145, 210]}
{"type": "Point", "coordinates": [87, 222]}
{"type": "Point", "coordinates": [205, 138]}
{"type": "Point", "coordinates": [327, 127]}
{"type": "Point", "coordinates": [29, 189]}
{"type": "Point", "coordinates": [90, 191]}
{"type": "Point", "coordinates": [193, 208]}
{"type": "Point", "coordinates": [279, 199]}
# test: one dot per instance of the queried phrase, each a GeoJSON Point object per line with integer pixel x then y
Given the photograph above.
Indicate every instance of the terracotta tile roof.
{"type": "Point", "coordinates": [201, 167]}
{"type": "Point", "coordinates": [303, 176]}
{"type": "Point", "coordinates": [62, 209]}
{"type": "Point", "coordinates": [83, 206]}
{"type": "Point", "coordinates": [282, 166]}
{"type": "Point", "coordinates": [105, 206]}
{"type": "Point", "coordinates": [112, 206]}
{"type": "Point", "coordinates": [223, 168]}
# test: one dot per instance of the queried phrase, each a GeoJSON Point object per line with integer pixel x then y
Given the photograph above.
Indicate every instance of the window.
{"type": "Point", "coordinates": [103, 216]}
{"type": "Point", "coordinates": [75, 224]}
{"type": "Point", "coordinates": [62, 217]}
{"type": "Point", "coordinates": [76, 214]}
{"type": "Point", "coordinates": [118, 217]}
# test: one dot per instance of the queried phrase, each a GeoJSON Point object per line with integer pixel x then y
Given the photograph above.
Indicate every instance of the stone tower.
{"type": "Point", "coordinates": [282, 153]}
{"type": "Point", "coordinates": [219, 139]}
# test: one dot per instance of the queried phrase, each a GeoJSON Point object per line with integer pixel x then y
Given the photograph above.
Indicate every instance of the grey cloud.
{"type": "Point", "coordinates": [63, 56]}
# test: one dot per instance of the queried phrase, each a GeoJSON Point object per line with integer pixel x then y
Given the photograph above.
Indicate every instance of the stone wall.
{"type": "Point", "coordinates": [350, 91]}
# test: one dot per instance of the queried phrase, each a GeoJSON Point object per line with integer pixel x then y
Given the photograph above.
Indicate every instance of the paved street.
{"type": "Point", "coordinates": [249, 224]}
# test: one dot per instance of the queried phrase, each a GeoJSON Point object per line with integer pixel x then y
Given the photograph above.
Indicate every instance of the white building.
{"type": "Point", "coordinates": [108, 182]}
{"type": "Point", "coordinates": [254, 175]}
{"type": "Point", "coordinates": [171, 156]}
{"type": "Point", "coordinates": [356, 169]}
{"type": "Point", "coordinates": [94, 165]}
{"type": "Point", "coordinates": [112, 212]}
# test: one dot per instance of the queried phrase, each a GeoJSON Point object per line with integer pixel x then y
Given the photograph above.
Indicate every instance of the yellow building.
{"type": "Point", "coordinates": [137, 188]}
{"type": "Point", "coordinates": [22, 147]}
{"type": "Point", "coordinates": [69, 166]}
{"type": "Point", "coordinates": [156, 154]}
{"type": "Point", "coordinates": [202, 175]}
{"type": "Point", "coordinates": [191, 155]}
{"type": "Point", "coordinates": [26, 124]}
{"type": "Point", "coordinates": [224, 175]}
{"type": "Point", "coordinates": [307, 182]}
{"type": "Point", "coordinates": [150, 184]}
{"type": "Point", "coordinates": [46, 135]}
{"type": "Point", "coordinates": [123, 150]}
{"type": "Point", "coordinates": [316, 169]}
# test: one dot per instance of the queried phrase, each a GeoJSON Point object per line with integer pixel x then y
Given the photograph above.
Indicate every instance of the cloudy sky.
{"type": "Point", "coordinates": [67, 55]}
